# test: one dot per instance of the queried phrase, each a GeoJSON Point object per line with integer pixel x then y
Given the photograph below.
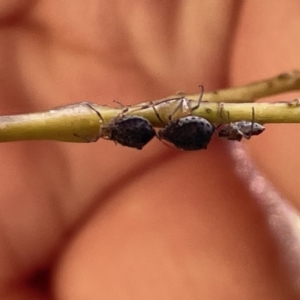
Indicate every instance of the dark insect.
{"type": "Point", "coordinates": [127, 130]}
{"type": "Point", "coordinates": [242, 129]}
{"type": "Point", "coordinates": [187, 133]}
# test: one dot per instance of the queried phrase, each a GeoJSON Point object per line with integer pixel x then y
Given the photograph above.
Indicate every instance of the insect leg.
{"type": "Point", "coordinates": [125, 108]}
{"type": "Point", "coordinates": [244, 135]}
{"type": "Point", "coordinates": [157, 114]}
{"type": "Point", "coordinates": [252, 123]}
{"type": "Point", "coordinates": [200, 98]}
{"type": "Point", "coordinates": [176, 109]}
{"type": "Point", "coordinates": [230, 125]}
{"type": "Point", "coordinates": [96, 111]}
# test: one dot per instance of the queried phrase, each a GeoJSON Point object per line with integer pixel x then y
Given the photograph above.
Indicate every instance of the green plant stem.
{"type": "Point", "coordinates": [80, 123]}
{"type": "Point", "coordinates": [285, 82]}
{"type": "Point", "coordinates": [68, 124]}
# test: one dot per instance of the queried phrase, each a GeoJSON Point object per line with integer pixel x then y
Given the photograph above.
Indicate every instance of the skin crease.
{"type": "Point", "coordinates": [99, 221]}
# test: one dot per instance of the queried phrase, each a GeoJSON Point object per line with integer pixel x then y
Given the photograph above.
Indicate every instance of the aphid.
{"type": "Point", "coordinates": [127, 130]}
{"type": "Point", "coordinates": [243, 129]}
{"type": "Point", "coordinates": [187, 133]}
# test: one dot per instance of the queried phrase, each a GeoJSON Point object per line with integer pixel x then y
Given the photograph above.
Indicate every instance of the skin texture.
{"type": "Point", "coordinates": [99, 221]}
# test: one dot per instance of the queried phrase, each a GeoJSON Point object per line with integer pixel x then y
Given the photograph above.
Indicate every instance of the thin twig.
{"type": "Point", "coordinates": [80, 123]}
{"type": "Point", "coordinates": [282, 83]}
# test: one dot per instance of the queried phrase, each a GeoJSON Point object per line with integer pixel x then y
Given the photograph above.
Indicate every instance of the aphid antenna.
{"type": "Point", "coordinates": [230, 125]}
{"type": "Point", "coordinates": [178, 107]}
{"type": "Point", "coordinates": [181, 101]}
{"type": "Point", "coordinates": [170, 117]}
{"type": "Point", "coordinates": [252, 123]}
{"type": "Point", "coordinates": [125, 107]}
{"type": "Point", "coordinates": [248, 136]}
{"type": "Point", "coordinates": [146, 106]}
{"type": "Point", "coordinates": [118, 102]}
{"type": "Point", "coordinates": [200, 98]}
{"type": "Point", "coordinates": [244, 135]}
{"type": "Point", "coordinates": [96, 111]}
{"type": "Point", "coordinates": [220, 110]}
{"type": "Point", "coordinates": [156, 113]}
